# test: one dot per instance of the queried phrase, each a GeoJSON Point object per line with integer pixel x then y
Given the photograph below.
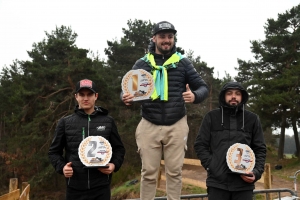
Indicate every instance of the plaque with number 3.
{"type": "Point", "coordinates": [240, 158]}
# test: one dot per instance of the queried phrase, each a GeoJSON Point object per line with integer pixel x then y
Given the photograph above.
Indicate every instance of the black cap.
{"type": "Point", "coordinates": [86, 83]}
{"type": "Point", "coordinates": [162, 26]}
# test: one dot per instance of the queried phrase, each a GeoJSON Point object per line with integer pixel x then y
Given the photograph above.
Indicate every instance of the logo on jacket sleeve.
{"type": "Point", "coordinates": [100, 128]}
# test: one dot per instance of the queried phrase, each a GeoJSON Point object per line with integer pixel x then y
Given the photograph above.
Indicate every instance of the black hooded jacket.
{"type": "Point", "coordinates": [220, 129]}
{"type": "Point", "coordinates": [68, 135]}
{"type": "Point", "coordinates": [169, 112]}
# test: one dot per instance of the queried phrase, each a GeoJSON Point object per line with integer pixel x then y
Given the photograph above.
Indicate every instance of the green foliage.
{"type": "Point", "coordinates": [273, 79]}
{"type": "Point", "coordinates": [126, 190]}
{"type": "Point", "coordinates": [38, 92]}
{"type": "Point", "coordinates": [196, 112]}
{"type": "Point", "coordinates": [259, 197]}
{"type": "Point", "coordinates": [191, 189]}
{"type": "Point", "coordinates": [126, 172]}
{"type": "Point", "coordinates": [122, 55]}
{"type": "Point", "coordinates": [138, 33]}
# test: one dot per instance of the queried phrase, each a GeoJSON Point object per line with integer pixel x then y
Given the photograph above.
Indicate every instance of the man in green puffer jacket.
{"type": "Point", "coordinates": [163, 129]}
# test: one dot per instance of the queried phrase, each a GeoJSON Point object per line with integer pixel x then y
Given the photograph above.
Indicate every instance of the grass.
{"type": "Point", "coordinates": [126, 191]}
{"type": "Point", "coordinates": [290, 164]}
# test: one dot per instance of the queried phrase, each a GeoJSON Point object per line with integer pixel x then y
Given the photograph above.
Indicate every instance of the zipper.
{"type": "Point", "coordinates": [89, 119]}
{"type": "Point", "coordinates": [88, 130]}
{"type": "Point", "coordinates": [83, 133]}
{"type": "Point", "coordinates": [89, 179]}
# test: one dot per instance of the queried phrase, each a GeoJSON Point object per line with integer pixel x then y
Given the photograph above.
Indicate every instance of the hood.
{"type": "Point", "coordinates": [233, 109]}
{"type": "Point", "coordinates": [233, 85]}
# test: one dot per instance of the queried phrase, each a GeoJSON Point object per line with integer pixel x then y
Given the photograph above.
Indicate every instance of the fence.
{"type": "Point", "coordinates": [14, 192]}
{"type": "Point", "coordinates": [266, 179]}
{"type": "Point", "coordinates": [267, 194]}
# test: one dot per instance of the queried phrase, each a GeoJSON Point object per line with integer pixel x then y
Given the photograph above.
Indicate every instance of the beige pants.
{"type": "Point", "coordinates": [153, 141]}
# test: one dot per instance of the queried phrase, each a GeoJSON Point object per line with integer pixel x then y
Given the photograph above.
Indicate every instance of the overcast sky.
{"type": "Point", "coordinates": [218, 31]}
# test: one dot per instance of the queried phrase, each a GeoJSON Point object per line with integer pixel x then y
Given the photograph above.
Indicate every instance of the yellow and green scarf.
{"type": "Point", "coordinates": [160, 74]}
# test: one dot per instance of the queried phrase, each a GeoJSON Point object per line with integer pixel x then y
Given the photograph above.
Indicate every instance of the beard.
{"type": "Point", "coordinates": [164, 51]}
{"type": "Point", "coordinates": [233, 102]}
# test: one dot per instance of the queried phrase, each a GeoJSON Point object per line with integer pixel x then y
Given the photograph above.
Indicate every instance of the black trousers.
{"type": "Point", "coordinates": [219, 194]}
{"type": "Point", "coordinates": [100, 193]}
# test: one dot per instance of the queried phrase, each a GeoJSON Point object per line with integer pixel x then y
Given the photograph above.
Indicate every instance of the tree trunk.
{"type": "Point", "coordinates": [210, 97]}
{"type": "Point", "coordinates": [0, 128]}
{"type": "Point", "coordinates": [282, 137]}
{"type": "Point", "coordinates": [296, 136]}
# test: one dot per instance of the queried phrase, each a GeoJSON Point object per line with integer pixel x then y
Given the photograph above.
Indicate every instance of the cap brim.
{"type": "Point", "coordinates": [86, 88]}
{"type": "Point", "coordinates": [166, 30]}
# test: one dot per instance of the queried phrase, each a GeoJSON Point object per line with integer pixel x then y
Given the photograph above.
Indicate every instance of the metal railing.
{"type": "Point", "coordinates": [295, 180]}
{"type": "Point", "coordinates": [265, 192]}
{"type": "Point", "coordinates": [278, 191]}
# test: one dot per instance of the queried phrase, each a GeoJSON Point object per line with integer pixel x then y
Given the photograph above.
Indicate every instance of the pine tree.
{"type": "Point", "coordinates": [273, 79]}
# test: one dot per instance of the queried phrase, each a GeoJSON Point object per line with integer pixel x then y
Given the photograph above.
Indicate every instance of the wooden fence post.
{"type": "Point", "coordinates": [24, 184]}
{"type": "Point", "coordinates": [267, 179]}
{"type": "Point", "coordinates": [14, 192]}
{"type": "Point", "coordinates": [13, 184]}
{"type": "Point", "coordinates": [25, 191]}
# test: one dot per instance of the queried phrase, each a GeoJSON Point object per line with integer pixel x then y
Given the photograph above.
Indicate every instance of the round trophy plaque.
{"type": "Point", "coordinates": [139, 83]}
{"type": "Point", "coordinates": [240, 158]}
{"type": "Point", "coordinates": [95, 151]}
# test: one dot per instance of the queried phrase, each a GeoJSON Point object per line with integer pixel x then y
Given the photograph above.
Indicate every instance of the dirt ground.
{"type": "Point", "coordinates": [198, 173]}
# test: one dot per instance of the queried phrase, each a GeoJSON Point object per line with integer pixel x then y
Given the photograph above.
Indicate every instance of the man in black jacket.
{"type": "Point", "coordinates": [163, 128]}
{"type": "Point", "coordinates": [88, 120]}
{"type": "Point", "coordinates": [220, 129]}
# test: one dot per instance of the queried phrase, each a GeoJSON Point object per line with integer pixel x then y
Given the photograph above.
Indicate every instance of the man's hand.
{"type": "Point", "coordinates": [127, 99]}
{"type": "Point", "coordinates": [109, 170]}
{"type": "Point", "coordinates": [68, 170]}
{"type": "Point", "coordinates": [188, 96]}
{"type": "Point", "coordinates": [248, 179]}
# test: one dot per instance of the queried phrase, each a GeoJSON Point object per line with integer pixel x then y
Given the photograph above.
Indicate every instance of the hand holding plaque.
{"type": "Point", "coordinates": [95, 152]}
{"type": "Point", "coordinates": [240, 158]}
{"type": "Point", "coordinates": [139, 83]}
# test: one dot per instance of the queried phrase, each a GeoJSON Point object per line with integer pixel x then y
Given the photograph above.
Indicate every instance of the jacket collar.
{"type": "Point", "coordinates": [98, 110]}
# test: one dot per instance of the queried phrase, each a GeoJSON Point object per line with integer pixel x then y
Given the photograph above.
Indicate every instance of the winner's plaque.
{"type": "Point", "coordinates": [95, 152]}
{"type": "Point", "coordinates": [139, 83]}
{"type": "Point", "coordinates": [240, 158]}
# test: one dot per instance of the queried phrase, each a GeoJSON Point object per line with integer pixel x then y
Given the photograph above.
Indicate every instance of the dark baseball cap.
{"type": "Point", "coordinates": [163, 26]}
{"type": "Point", "coordinates": [86, 83]}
